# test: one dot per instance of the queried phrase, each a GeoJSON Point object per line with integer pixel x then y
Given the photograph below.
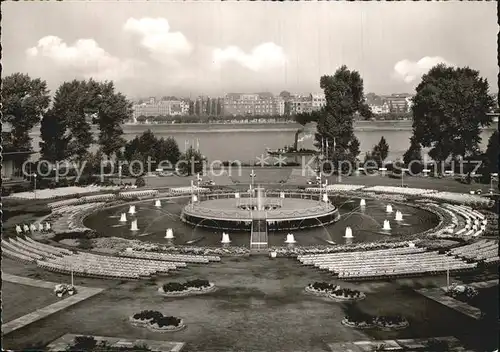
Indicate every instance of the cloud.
{"type": "Point", "coordinates": [263, 56]}
{"type": "Point", "coordinates": [409, 71]}
{"type": "Point", "coordinates": [85, 56]}
{"type": "Point", "coordinates": [157, 38]}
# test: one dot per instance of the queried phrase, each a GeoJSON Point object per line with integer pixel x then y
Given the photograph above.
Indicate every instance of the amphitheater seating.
{"type": "Point", "coordinates": [47, 248]}
{"type": "Point", "coordinates": [82, 200]}
{"type": "Point", "coordinates": [482, 250]}
{"type": "Point", "coordinates": [66, 219]}
{"type": "Point", "coordinates": [61, 260]}
{"type": "Point", "coordinates": [31, 247]}
{"type": "Point", "coordinates": [20, 250]}
{"type": "Point", "coordinates": [399, 190]}
{"type": "Point", "coordinates": [336, 188]}
{"type": "Point", "coordinates": [17, 256]}
{"type": "Point", "coordinates": [188, 190]}
{"type": "Point", "coordinates": [143, 193]}
{"type": "Point", "coordinates": [386, 263]}
{"type": "Point", "coordinates": [88, 264]}
{"type": "Point", "coordinates": [170, 257]}
{"type": "Point", "coordinates": [54, 193]}
{"type": "Point", "coordinates": [460, 198]}
{"type": "Point", "coordinates": [472, 223]}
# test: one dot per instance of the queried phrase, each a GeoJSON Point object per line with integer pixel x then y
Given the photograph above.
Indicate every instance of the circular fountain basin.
{"type": "Point", "coordinates": [153, 221]}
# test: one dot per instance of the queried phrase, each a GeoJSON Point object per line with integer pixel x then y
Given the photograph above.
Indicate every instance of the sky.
{"type": "Point", "coordinates": [213, 48]}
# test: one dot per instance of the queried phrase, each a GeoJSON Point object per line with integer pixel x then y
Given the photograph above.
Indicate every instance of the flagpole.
{"type": "Point", "coordinates": [326, 149]}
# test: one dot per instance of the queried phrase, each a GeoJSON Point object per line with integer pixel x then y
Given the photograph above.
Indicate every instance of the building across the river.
{"type": "Point", "coordinates": [257, 104]}
{"type": "Point", "coordinates": [161, 108]}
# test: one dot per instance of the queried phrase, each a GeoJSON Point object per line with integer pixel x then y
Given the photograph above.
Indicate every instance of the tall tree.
{"type": "Point", "coordinates": [380, 152]}
{"type": "Point", "coordinates": [167, 149]}
{"type": "Point", "coordinates": [77, 104]}
{"type": "Point", "coordinates": [147, 145]}
{"type": "Point", "coordinates": [413, 156]}
{"type": "Point", "coordinates": [344, 97]}
{"type": "Point", "coordinates": [492, 154]}
{"type": "Point", "coordinates": [24, 100]}
{"type": "Point", "coordinates": [306, 117]}
{"type": "Point", "coordinates": [54, 144]}
{"type": "Point", "coordinates": [70, 104]}
{"type": "Point", "coordinates": [191, 108]}
{"type": "Point", "coordinates": [110, 111]}
{"type": "Point", "coordinates": [191, 162]}
{"type": "Point", "coordinates": [220, 107]}
{"type": "Point", "coordinates": [449, 110]}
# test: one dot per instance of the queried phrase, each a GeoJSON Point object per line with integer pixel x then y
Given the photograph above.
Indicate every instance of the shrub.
{"type": "Point", "coordinates": [83, 343]}
{"type": "Point", "coordinates": [155, 317]}
{"type": "Point", "coordinates": [168, 321]}
{"type": "Point", "coordinates": [85, 244]}
{"type": "Point", "coordinates": [6, 192]}
{"type": "Point", "coordinates": [178, 287]}
{"type": "Point", "coordinates": [173, 287]}
{"type": "Point", "coordinates": [24, 207]}
{"type": "Point", "coordinates": [140, 182]}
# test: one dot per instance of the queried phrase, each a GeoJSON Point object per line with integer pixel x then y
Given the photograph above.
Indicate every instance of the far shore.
{"type": "Point", "coordinates": [359, 126]}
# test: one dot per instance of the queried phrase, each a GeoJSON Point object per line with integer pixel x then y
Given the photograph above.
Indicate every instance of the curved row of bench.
{"type": "Point", "coordinates": [69, 218]}
{"type": "Point", "coordinates": [386, 263]}
{"type": "Point", "coordinates": [93, 265]}
{"type": "Point", "coordinates": [187, 258]}
{"type": "Point", "coordinates": [482, 250]}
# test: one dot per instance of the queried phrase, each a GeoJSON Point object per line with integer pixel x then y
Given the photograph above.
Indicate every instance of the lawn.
{"type": "Point", "coordinates": [19, 300]}
{"type": "Point", "coordinates": [260, 305]}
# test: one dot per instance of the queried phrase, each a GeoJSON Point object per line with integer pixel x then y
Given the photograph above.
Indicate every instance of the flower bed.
{"type": "Point", "coordinates": [325, 289]}
{"type": "Point", "coordinates": [345, 294]}
{"type": "Point", "coordinates": [356, 323]}
{"type": "Point", "coordinates": [391, 322]}
{"type": "Point", "coordinates": [462, 293]}
{"type": "Point", "coordinates": [156, 321]}
{"type": "Point", "coordinates": [366, 321]}
{"type": "Point", "coordinates": [321, 288]}
{"type": "Point", "coordinates": [62, 289]}
{"type": "Point", "coordinates": [194, 287]}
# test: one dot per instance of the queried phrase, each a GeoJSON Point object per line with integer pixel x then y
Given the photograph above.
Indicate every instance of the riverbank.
{"type": "Point", "coordinates": [359, 126]}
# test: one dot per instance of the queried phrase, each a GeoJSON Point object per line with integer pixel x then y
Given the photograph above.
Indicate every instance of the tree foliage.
{"type": "Point", "coordinates": [112, 110]}
{"type": "Point", "coordinates": [344, 97]}
{"type": "Point", "coordinates": [491, 157]}
{"type": "Point", "coordinates": [413, 156]}
{"type": "Point", "coordinates": [304, 118]}
{"type": "Point", "coordinates": [70, 101]}
{"type": "Point", "coordinates": [78, 104]}
{"type": "Point", "coordinates": [191, 162]}
{"type": "Point", "coordinates": [24, 101]}
{"type": "Point", "coordinates": [54, 144]}
{"type": "Point", "coordinates": [147, 145]}
{"type": "Point", "coordinates": [449, 110]}
{"type": "Point", "coordinates": [380, 152]}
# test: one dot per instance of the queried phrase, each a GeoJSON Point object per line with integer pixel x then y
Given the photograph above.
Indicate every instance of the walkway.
{"type": "Point", "coordinates": [396, 345]}
{"type": "Point", "coordinates": [437, 294]}
{"type": "Point", "coordinates": [161, 346]}
{"type": "Point", "coordinates": [82, 294]}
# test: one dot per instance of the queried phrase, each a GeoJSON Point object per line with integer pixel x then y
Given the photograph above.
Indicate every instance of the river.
{"type": "Point", "coordinates": [245, 142]}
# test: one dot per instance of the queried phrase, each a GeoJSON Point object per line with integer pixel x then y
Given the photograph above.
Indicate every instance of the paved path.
{"type": "Point", "coordinates": [413, 344]}
{"type": "Point", "coordinates": [162, 346]}
{"type": "Point", "coordinates": [438, 295]}
{"type": "Point", "coordinates": [483, 284]}
{"type": "Point", "coordinates": [82, 294]}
